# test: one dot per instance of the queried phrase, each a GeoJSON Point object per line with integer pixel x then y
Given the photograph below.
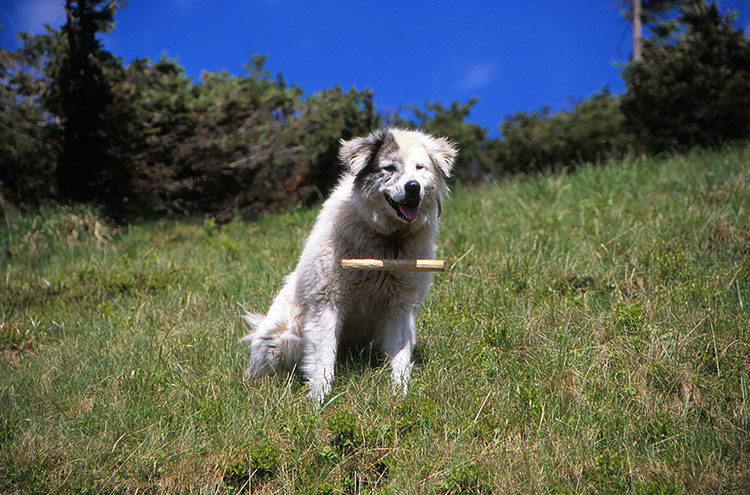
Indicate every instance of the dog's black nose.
{"type": "Point", "coordinates": [412, 189]}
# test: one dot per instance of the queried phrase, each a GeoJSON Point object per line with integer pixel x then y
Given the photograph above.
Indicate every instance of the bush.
{"type": "Point", "coordinates": [237, 145]}
{"type": "Point", "coordinates": [227, 145]}
{"type": "Point", "coordinates": [474, 161]}
{"type": "Point", "coordinates": [28, 144]}
{"type": "Point", "coordinates": [593, 130]}
{"type": "Point", "coordinates": [695, 91]}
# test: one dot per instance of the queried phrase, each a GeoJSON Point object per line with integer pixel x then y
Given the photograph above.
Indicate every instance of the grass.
{"type": "Point", "coordinates": [591, 337]}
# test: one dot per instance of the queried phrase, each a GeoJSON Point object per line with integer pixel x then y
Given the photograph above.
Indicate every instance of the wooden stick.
{"type": "Point", "coordinates": [422, 265]}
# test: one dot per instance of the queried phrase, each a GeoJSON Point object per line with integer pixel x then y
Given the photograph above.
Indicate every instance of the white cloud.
{"type": "Point", "coordinates": [32, 15]}
{"type": "Point", "coordinates": [477, 76]}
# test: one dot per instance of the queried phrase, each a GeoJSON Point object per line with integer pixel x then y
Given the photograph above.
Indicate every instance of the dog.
{"type": "Point", "coordinates": [385, 205]}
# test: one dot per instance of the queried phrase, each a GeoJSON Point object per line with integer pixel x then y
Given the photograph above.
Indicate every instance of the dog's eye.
{"type": "Point", "coordinates": [391, 167]}
{"type": "Point", "coordinates": [420, 166]}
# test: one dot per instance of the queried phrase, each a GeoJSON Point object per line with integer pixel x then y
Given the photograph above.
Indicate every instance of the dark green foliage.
{"type": "Point", "coordinates": [205, 142]}
{"type": "Point", "coordinates": [236, 478]}
{"type": "Point", "coordinates": [264, 460]}
{"type": "Point", "coordinates": [657, 15]}
{"type": "Point", "coordinates": [346, 432]}
{"type": "Point", "coordinates": [151, 140]}
{"type": "Point", "coordinates": [328, 117]}
{"type": "Point", "coordinates": [239, 144]}
{"type": "Point", "coordinates": [590, 132]}
{"type": "Point", "coordinates": [89, 167]}
{"type": "Point", "coordinates": [474, 161]}
{"type": "Point", "coordinates": [693, 92]}
{"type": "Point", "coordinates": [67, 132]}
{"type": "Point", "coordinates": [28, 144]}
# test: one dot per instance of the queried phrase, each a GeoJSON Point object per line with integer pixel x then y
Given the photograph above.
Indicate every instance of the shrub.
{"type": "Point", "coordinates": [692, 92]}
{"type": "Point", "coordinates": [536, 141]}
{"type": "Point", "coordinates": [475, 160]}
{"type": "Point", "coordinates": [238, 144]}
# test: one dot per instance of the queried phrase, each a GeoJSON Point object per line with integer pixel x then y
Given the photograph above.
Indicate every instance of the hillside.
{"type": "Point", "coordinates": [591, 336]}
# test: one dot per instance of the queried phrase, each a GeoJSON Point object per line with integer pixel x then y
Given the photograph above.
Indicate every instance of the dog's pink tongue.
{"type": "Point", "coordinates": [409, 212]}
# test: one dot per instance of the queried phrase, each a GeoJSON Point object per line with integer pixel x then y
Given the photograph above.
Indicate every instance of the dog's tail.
{"type": "Point", "coordinates": [253, 320]}
{"type": "Point", "coordinates": [275, 341]}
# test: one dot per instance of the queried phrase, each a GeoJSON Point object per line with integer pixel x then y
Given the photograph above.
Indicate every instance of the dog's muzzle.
{"type": "Point", "coordinates": [408, 208]}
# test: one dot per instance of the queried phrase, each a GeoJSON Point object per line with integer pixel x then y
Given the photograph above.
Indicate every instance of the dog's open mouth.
{"type": "Point", "coordinates": [407, 209]}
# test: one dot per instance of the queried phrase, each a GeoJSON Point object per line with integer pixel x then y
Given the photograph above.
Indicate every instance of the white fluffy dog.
{"type": "Point", "coordinates": [386, 205]}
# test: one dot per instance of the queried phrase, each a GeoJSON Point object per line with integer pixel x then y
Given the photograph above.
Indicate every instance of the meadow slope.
{"type": "Point", "coordinates": [591, 336]}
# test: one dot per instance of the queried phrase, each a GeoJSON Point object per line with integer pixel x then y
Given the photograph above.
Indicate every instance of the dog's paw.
{"type": "Point", "coordinates": [400, 375]}
{"type": "Point", "coordinates": [318, 390]}
{"type": "Point", "coordinates": [400, 386]}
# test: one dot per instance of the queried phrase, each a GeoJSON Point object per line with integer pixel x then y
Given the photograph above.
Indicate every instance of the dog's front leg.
{"type": "Point", "coordinates": [320, 342]}
{"type": "Point", "coordinates": [397, 339]}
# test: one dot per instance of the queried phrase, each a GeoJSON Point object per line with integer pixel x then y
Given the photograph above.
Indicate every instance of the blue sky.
{"type": "Point", "coordinates": [511, 55]}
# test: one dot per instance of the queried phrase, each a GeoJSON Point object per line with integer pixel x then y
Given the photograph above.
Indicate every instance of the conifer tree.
{"type": "Point", "coordinates": [695, 90]}
{"type": "Point", "coordinates": [87, 168]}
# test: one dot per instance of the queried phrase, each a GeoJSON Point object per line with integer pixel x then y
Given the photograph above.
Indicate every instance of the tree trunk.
{"type": "Point", "coordinates": [637, 30]}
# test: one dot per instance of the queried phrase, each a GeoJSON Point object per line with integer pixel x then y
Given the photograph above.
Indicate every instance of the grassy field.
{"type": "Point", "coordinates": [591, 336]}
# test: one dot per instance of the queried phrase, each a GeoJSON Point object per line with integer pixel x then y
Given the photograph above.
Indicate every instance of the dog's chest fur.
{"type": "Point", "coordinates": [383, 284]}
{"type": "Point", "coordinates": [369, 296]}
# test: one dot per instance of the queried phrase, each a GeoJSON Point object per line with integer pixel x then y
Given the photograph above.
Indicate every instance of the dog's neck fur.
{"type": "Point", "coordinates": [393, 244]}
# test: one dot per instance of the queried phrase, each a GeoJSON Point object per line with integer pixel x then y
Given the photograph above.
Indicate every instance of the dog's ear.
{"type": "Point", "coordinates": [359, 152]}
{"type": "Point", "coordinates": [442, 152]}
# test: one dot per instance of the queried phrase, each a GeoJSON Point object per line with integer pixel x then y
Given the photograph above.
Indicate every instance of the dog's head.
{"type": "Point", "coordinates": [401, 173]}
